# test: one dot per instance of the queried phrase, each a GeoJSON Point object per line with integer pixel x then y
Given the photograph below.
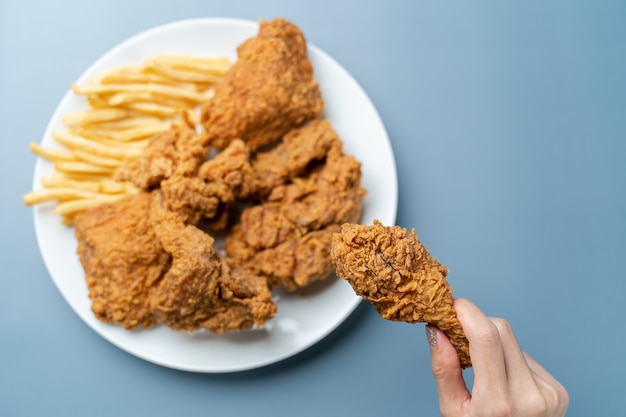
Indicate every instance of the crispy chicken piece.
{"type": "Point", "coordinates": [246, 300]}
{"type": "Point", "coordinates": [390, 268]}
{"type": "Point", "coordinates": [293, 155]}
{"type": "Point", "coordinates": [297, 263]}
{"type": "Point", "coordinates": [214, 188]}
{"type": "Point", "coordinates": [176, 162]}
{"type": "Point", "coordinates": [122, 259]}
{"type": "Point", "coordinates": [287, 237]}
{"type": "Point", "coordinates": [232, 168]}
{"type": "Point", "coordinates": [144, 265]}
{"type": "Point", "coordinates": [268, 91]}
{"type": "Point", "coordinates": [200, 289]}
{"type": "Point", "coordinates": [175, 152]}
{"type": "Point", "coordinates": [186, 295]}
{"type": "Point", "coordinates": [328, 192]}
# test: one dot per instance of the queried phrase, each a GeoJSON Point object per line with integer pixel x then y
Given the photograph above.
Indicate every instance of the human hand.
{"type": "Point", "coordinates": [507, 381]}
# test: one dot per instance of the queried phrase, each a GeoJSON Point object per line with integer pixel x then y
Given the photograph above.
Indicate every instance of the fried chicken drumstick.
{"type": "Point", "coordinates": [390, 268]}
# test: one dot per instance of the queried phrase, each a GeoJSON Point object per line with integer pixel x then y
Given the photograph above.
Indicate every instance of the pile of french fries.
{"type": "Point", "coordinates": [127, 106]}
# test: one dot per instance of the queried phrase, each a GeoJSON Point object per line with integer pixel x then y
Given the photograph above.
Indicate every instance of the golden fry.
{"type": "Point", "coordinates": [217, 66]}
{"type": "Point", "coordinates": [153, 88]}
{"type": "Point", "coordinates": [76, 206]}
{"type": "Point", "coordinates": [90, 184]}
{"type": "Point", "coordinates": [119, 99]}
{"type": "Point", "coordinates": [97, 159]}
{"type": "Point", "coordinates": [50, 153]}
{"type": "Point", "coordinates": [103, 138]}
{"type": "Point", "coordinates": [131, 75]}
{"type": "Point", "coordinates": [58, 194]}
{"type": "Point", "coordinates": [141, 132]}
{"type": "Point", "coordinates": [99, 103]}
{"type": "Point", "coordinates": [126, 123]}
{"type": "Point", "coordinates": [127, 135]}
{"type": "Point", "coordinates": [185, 75]}
{"type": "Point", "coordinates": [95, 116]}
{"type": "Point", "coordinates": [128, 107]}
{"type": "Point", "coordinates": [84, 177]}
{"type": "Point", "coordinates": [140, 75]}
{"type": "Point", "coordinates": [123, 99]}
{"type": "Point", "coordinates": [61, 181]}
{"type": "Point", "coordinates": [82, 168]}
{"type": "Point", "coordinates": [77, 142]}
{"type": "Point", "coordinates": [155, 109]}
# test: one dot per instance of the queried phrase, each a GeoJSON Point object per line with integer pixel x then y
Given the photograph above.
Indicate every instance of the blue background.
{"type": "Point", "coordinates": [508, 121]}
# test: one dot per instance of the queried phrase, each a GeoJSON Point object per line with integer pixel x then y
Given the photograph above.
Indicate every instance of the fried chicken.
{"type": "Point", "coordinates": [298, 262]}
{"type": "Point", "coordinates": [291, 157]}
{"type": "Point", "coordinates": [281, 236]}
{"type": "Point", "coordinates": [265, 158]}
{"type": "Point", "coordinates": [268, 91]}
{"type": "Point", "coordinates": [175, 152]}
{"type": "Point", "coordinates": [145, 266]}
{"type": "Point", "coordinates": [213, 188]}
{"type": "Point", "coordinates": [123, 260]}
{"type": "Point", "coordinates": [200, 290]}
{"type": "Point", "coordinates": [196, 187]}
{"type": "Point", "coordinates": [390, 268]}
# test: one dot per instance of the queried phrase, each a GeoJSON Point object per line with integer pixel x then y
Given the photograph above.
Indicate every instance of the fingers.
{"type": "Point", "coordinates": [486, 350]}
{"type": "Point", "coordinates": [446, 367]}
{"type": "Point", "coordinates": [506, 380]}
{"type": "Point", "coordinates": [555, 395]}
{"type": "Point", "coordinates": [518, 373]}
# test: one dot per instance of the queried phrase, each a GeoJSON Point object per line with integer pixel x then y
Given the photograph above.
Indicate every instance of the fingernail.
{"type": "Point", "coordinates": [431, 336]}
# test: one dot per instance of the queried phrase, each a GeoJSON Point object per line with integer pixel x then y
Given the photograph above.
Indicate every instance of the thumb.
{"type": "Point", "coordinates": [446, 367]}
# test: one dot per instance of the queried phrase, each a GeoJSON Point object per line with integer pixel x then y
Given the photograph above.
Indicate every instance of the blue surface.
{"type": "Point", "coordinates": [509, 126]}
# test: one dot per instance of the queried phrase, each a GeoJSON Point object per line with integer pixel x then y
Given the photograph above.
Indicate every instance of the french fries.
{"type": "Point", "coordinates": [127, 107]}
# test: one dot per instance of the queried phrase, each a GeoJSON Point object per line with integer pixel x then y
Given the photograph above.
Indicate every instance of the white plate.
{"type": "Point", "coordinates": [302, 319]}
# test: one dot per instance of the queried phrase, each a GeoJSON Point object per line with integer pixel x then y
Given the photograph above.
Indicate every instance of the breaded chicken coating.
{"type": "Point", "coordinates": [198, 290]}
{"type": "Point", "coordinates": [174, 152]}
{"type": "Point", "coordinates": [267, 92]}
{"type": "Point", "coordinates": [145, 266]}
{"type": "Point", "coordinates": [390, 268]}
{"type": "Point", "coordinates": [123, 260]}
{"type": "Point", "coordinates": [287, 236]}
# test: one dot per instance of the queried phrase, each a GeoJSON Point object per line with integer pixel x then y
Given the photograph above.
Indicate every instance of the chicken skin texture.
{"type": "Point", "coordinates": [390, 268]}
{"type": "Point", "coordinates": [200, 290]}
{"type": "Point", "coordinates": [282, 235]}
{"type": "Point", "coordinates": [144, 265]}
{"type": "Point", "coordinates": [292, 156]}
{"type": "Point", "coordinates": [193, 185]}
{"type": "Point", "coordinates": [214, 187]}
{"type": "Point", "coordinates": [269, 90]}
{"type": "Point", "coordinates": [123, 260]}
{"type": "Point", "coordinates": [176, 152]}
